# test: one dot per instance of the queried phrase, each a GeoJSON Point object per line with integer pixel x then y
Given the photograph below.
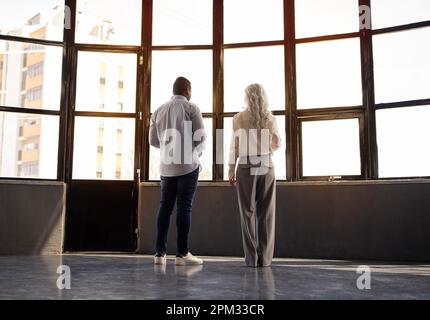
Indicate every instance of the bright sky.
{"type": "Point", "coordinates": [14, 14]}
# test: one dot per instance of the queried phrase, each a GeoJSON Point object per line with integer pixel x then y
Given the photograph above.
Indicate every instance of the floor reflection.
{"type": "Point", "coordinates": [136, 277]}
{"type": "Point", "coordinates": [188, 271]}
{"type": "Point", "coordinates": [259, 283]}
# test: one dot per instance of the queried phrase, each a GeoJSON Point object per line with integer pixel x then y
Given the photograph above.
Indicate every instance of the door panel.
{"type": "Point", "coordinates": [102, 192]}
{"type": "Point", "coordinates": [101, 216]}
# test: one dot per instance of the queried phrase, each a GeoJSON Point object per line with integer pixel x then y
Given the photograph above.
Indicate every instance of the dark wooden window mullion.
{"type": "Point", "coordinates": [370, 143]}
{"type": "Point", "coordinates": [146, 83]}
{"type": "Point", "coordinates": [292, 156]}
{"type": "Point", "coordinates": [68, 98]}
{"type": "Point", "coordinates": [30, 111]}
{"type": "Point", "coordinates": [328, 37]}
{"type": "Point", "coordinates": [364, 155]}
{"type": "Point", "coordinates": [410, 26]}
{"type": "Point", "coordinates": [139, 120]}
{"type": "Point", "coordinates": [403, 104]}
{"type": "Point", "coordinates": [31, 40]}
{"type": "Point", "coordinates": [218, 82]}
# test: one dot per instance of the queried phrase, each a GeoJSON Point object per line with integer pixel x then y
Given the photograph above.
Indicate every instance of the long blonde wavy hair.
{"type": "Point", "coordinates": [257, 104]}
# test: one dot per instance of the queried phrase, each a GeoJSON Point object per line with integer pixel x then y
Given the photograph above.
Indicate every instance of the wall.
{"type": "Point", "coordinates": [340, 220]}
{"type": "Point", "coordinates": [31, 217]}
{"type": "Point", "coordinates": [347, 220]}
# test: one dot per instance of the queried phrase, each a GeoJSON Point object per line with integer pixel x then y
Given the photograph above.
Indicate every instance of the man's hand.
{"type": "Point", "coordinates": [232, 180]}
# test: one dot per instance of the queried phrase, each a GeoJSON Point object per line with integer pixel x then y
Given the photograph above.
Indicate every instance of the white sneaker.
{"type": "Point", "coordinates": [161, 261]}
{"type": "Point", "coordinates": [188, 260]}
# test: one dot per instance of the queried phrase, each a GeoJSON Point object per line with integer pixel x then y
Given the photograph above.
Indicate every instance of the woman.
{"type": "Point", "coordinates": [255, 138]}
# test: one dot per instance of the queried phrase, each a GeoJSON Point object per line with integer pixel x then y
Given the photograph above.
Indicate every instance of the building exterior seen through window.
{"type": "Point", "coordinates": [30, 77]}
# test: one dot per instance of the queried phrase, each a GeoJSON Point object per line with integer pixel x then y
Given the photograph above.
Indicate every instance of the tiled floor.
{"type": "Point", "coordinates": [135, 277]}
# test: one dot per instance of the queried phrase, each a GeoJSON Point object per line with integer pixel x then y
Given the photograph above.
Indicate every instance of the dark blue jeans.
{"type": "Point", "coordinates": [180, 190]}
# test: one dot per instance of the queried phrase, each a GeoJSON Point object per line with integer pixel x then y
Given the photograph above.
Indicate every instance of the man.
{"type": "Point", "coordinates": [177, 130]}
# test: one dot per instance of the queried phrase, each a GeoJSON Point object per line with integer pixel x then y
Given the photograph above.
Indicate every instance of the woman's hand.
{"type": "Point", "coordinates": [232, 180]}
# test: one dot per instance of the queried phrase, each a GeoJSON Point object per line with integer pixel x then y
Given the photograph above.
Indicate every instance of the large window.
{"type": "Point", "coordinates": [401, 74]}
{"type": "Point", "coordinates": [30, 87]}
{"type": "Point", "coordinates": [349, 102]}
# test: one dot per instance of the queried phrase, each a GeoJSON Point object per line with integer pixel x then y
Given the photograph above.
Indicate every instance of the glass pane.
{"type": "Point", "coordinates": [242, 67]}
{"type": "Point", "coordinates": [185, 22]}
{"type": "Point", "coordinates": [329, 74]}
{"type": "Point", "coordinates": [33, 19]}
{"type": "Point", "coordinates": [109, 22]}
{"type": "Point", "coordinates": [331, 148]}
{"type": "Point", "coordinates": [106, 82]}
{"type": "Point", "coordinates": [402, 65]}
{"type": "Point", "coordinates": [389, 13]}
{"type": "Point", "coordinates": [326, 17]}
{"type": "Point", "coordinates": [279, 158]}
{"type": "Point", "coordinates": [30, 75]}
{"type": "Point", "coordinates": [253, 20]}
{"type": "Point", "coordinates": [28, 145]}
{"type": "Point", "coordinates": [154, 164]}
{"type": "Point", "coordinates": [206, 160]}
{"type": "Point", "coordinates": [104, 148]}
{"type": "Point", "coordinates": [195, 65]}
{"type": "Point", "coordinates": [228, 132]}
{"type": "Point", "coordinates": [403, 142]}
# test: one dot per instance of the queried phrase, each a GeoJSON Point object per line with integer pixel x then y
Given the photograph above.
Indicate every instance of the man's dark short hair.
{"type": "Point", "coordinates": [181, 85]}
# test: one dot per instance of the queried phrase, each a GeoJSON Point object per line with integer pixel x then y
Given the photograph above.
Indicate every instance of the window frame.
{"type": "Point", "coordinates": [293, 116]}
{"type": "Point", "coordinates": [73, 113]}
{"type": "Point", "coordinates": [33, 111]}
{"type": "Point", "coordinates": [348, 115]}
{"type": "Point", "coordinates": [397, 105]}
